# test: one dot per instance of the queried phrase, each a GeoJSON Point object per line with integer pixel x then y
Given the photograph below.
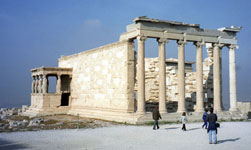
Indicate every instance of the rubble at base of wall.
{"type": "Point", "coordinates": [245, 108]}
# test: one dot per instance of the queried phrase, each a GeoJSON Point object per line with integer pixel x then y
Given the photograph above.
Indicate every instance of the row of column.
{"type": "Point", "coordinates": [181, 76]}
{"type": "Point", "coordinates": [40, 84]}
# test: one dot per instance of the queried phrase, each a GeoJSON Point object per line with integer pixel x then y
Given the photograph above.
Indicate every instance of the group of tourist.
{"type": "Point", "coordinates": [209, 123]}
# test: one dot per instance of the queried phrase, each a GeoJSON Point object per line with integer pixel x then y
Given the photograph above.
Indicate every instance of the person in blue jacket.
{"type": "Point", "coordinates": [204, 117]}
{"type": "Point", "coordinates": [212, 129]}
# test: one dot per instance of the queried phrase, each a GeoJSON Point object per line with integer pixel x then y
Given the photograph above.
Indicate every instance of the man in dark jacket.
{"type": "Point", "coordinates": [204, 117]}
{"type": "Point", "coordinates": [212, 129]}
{"type": "Point", "coordinates": [156, 117]}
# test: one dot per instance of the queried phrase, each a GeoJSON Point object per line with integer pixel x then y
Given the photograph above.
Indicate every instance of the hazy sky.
{"type": "Point", "coordinates": [36, 33]}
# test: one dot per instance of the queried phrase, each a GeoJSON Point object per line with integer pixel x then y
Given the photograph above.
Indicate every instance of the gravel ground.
{"type": "Point", "coordinates": [231, 136]}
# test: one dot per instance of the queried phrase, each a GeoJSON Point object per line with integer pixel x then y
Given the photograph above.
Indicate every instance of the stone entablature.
{"type": "Point", "coordinates": [51, 71]}
{"type": "Point", "coordinates": [155, 28]}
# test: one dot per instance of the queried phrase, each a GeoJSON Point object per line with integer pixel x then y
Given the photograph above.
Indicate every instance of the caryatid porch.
{"type": "Point", "coordinates": [163, 31]}
{"type": "Point", "coordinates": [40, 97]}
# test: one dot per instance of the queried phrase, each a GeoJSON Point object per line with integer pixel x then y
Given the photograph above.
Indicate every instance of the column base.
{"type": "Point", "coordinates": [233, 109]}
{"type": "Point", "coordinates": [181, 111]}
{"type": "Point", "coordinates": [141, 112]}
{"type": "Point", "coordinates": [163, 111]}
{"type": "Point", "coordinates": [199, 110]}
{"type": "Point", "coordinates": [217, 110]}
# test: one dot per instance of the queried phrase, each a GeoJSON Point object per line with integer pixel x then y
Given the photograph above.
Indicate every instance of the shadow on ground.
{"type": "Point", "coordinates": [171, 128]}
{"type": "Point", "coordinates": [9, 145]}
{"type": "Point", "coordinates": [228, 140]}
{"type": "Point", "coordinates": [192, 129]}
{"type": "Point", "coordinates": [180, 128]}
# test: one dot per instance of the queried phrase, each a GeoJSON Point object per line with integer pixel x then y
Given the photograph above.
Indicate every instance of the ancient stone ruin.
{"type": "Point", "coordinates": [114, 82]}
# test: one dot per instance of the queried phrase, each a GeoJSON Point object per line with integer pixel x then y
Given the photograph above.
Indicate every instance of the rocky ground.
{"type": "Point", "coordinates": [10, 122]}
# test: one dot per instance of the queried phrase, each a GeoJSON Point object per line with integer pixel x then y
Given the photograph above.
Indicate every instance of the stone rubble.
{"type": "Point", "coordinates": [4, 112]}
{"type": "Point", "coordinates": [7, 113]}
{"type": "Point", "coordinates": [35, 122]}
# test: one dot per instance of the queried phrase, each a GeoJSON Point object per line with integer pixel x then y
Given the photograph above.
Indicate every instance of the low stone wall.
{"type": "Point", "coordinates": [52, 100]}
{"type": "Point", "coordinates": [244, 107]}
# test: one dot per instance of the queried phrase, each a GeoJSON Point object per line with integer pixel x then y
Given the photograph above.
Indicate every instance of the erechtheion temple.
{"type": "Point", "coordinates": [116, 82]}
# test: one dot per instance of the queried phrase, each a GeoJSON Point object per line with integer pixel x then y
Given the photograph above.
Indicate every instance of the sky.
{"type": "Point", "coordinates": [35, 33]}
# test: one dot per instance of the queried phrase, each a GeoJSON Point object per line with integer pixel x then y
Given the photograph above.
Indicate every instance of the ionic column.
{"type": "Point", "coordinates": [199, 77]}
{"type": "Point", "coordinates": [33, 85]}
{"type": "Point", "coordinates": [141, 75]}
{"type": "Point", "coordinates": [45, 84]}
{"type": "Point", "coordinates": [232, 78]}
{"type": "Point", "coordinates": [58, 88]}
{"type": "Point", "coordinates": [162, 75]}
{"type": "Point", "coordinates": [217, 78]}
{"type": "Point", "coordinates": [181, 76]}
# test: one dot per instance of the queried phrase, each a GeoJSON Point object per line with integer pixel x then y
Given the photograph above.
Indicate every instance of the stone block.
{"type": "Point", "coordinates": [13, 111]}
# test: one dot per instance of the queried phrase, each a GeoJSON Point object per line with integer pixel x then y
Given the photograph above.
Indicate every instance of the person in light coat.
{"type": "Point", "coordinates": [183, 121]}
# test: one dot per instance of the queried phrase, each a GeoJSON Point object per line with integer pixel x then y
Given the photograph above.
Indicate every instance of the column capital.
{"type": "Point", "coordinates": [220, 45]}
{"type": "Point", "coordinates": [141, 38]}
{"type": "Point", "coordinates": [181, 42]}
{"type": "Point", "coordinates": [162, 40]}
{"type": "Point", "coordinates": [129, 40]}
{"type": "Point", "coordinates": [199, 43]}
{"type": "Point", "coordinates": [233, 47]}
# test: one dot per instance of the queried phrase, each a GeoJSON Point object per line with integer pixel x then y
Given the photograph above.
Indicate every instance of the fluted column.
{"type": "Point", "coordinates": [141, 75]}
{"type": "Point", "coordinates": [162, 75]}
{"type": "Point", "coordinates": [232, 78]}
{"type": "Point", "coordinates": [58, 87]}
{"type": "Point", "coordinates": [181, 76]}
{"type": "Point", "coordinates": [199, 77]}
{"type": "Point", "coordinates": [217, 78]}
{"type": "Point", "coordinates": [45, 84]}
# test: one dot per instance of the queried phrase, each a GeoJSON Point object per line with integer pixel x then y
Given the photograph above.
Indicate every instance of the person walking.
{"type": "Point", "coordinates": [212, 129]}
{"type": "Point", "coordinates": [204, 117]}
{"type": "Point", "coordinates": [156, 117]}
{"type": "Point", "coordinates": [184, 121]}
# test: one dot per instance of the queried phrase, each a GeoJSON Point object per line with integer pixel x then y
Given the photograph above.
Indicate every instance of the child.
{"type": "Point", "coordinates": [183, 120]}
{"type": "Point", "coordinates": [204, 117]}
{"type": "Point", "coordinates": [156, 117]}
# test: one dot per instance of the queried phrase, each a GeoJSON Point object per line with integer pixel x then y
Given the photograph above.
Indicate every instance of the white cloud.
{"type": "Point", "coordinates": [92, 23]}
